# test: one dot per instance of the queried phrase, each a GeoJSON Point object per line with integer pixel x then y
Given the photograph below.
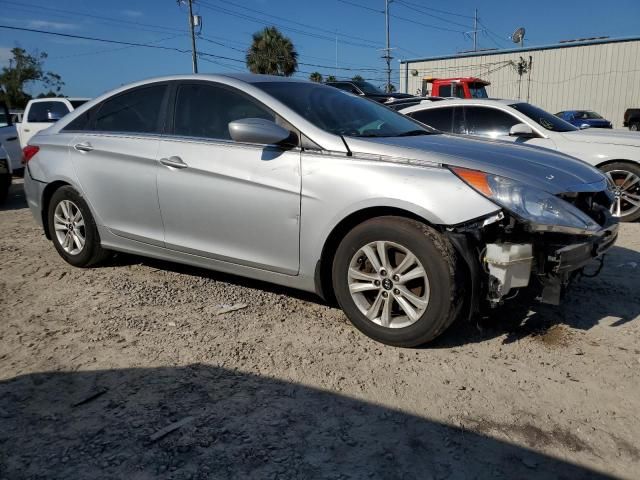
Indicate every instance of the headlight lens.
{"type": "Point", "coordinates": [544, 210]}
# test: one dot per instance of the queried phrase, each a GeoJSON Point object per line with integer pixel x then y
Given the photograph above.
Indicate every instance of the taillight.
{"type": "Point", "coordinates": [28, 152]}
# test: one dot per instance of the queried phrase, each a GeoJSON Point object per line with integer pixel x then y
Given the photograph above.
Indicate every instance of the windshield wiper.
{"type": "Point", "coordinates": [413, 133]}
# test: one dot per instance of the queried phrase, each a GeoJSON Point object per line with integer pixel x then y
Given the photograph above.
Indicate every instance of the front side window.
{"type": "Point", "coordinates": [544, 119]}
{"type": "Point", "coordinates": [77, 103]}
{"type": "Point", "coordinates": [488, 122]}
{"type": "Point", "coordinates": [47, 112]}
{"type": "Point", "coordinates": [205, 110]}
{"type": "Point", "coordinates": [135, 111]}
{"type": "Point", "coordinates": [339, 113]}
{"type": "Point", "coordinates": [445, 119]}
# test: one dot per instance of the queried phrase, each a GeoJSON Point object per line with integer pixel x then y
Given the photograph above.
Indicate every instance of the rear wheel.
{"type": "Point", "coordinates": [626, 180]}
{"type": "Point", "coordinates": [634, 127]}
{"type": "Point", "coordinates": [73, 230]}
{"type": "Point", "coordinates": [395, 279]}
{"type": "Point", "coordinates": [5, 185]}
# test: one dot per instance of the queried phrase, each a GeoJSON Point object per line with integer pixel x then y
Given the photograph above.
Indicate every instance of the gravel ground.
{"type": "Point", "coordinates": [98, 365]}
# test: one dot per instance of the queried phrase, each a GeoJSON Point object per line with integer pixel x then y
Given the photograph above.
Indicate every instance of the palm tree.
{"type": "Point", "coordinates": [316, 77]}
{"type": "Point", "coordinates": [357, 78]}
{"type": "Point", "coordinates": [272, 53]}
{"type": "Point", "coordinates": [331, 78]}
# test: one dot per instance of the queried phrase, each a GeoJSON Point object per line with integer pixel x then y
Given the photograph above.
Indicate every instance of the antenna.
{"type": "Point", "coordinates": [518, 36]}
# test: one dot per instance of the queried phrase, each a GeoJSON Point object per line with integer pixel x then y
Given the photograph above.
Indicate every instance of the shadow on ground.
{"type": "Point", "coordinates": [101, 424]}
{"type": "Point", "coordinates": [15, 198]}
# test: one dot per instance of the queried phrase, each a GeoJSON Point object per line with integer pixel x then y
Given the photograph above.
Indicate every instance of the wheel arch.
{"type": "Point", "coordinates": [323, 274]}
{"type": "Point", "coordinates": [618, 160]}
{"type": "Point", "coordinates": [47, 193]}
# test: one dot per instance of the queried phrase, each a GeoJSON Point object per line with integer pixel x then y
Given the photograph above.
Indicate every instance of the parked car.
{"type": "Point", "coordinates": [617, 154]}
{"type": "Point", "coordinates": [42, 112]}
{"type": "Point", "coordinates": [16, 116]}
{"type": "Point", "coordinates": [402, 103]}
{"type": "Point", "coordinates": [584, 119]}
{"type": "Point", "coordinates": [365, 89]}
{"type": "Point", "coordinates": [632, 119]}
{"type": "Point", "coordinates": [10, 153]}
{"type": "Point", "coordinates": [298, 184]}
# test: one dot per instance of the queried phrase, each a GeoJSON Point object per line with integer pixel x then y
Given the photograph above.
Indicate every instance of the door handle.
{"type": "Point", "coordinates": [173, 161]}
{"type": "Point", "coordinates": [83, 147]}
{"type": "Point", "coordinates": [11, 139]}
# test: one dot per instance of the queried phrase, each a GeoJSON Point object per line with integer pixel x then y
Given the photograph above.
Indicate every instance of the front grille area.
{"type": "Point", "coordinates": [594, 204]}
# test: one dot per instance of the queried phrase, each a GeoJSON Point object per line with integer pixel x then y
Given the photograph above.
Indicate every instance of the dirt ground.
{"type": "Point", "coordinates": [96, 363]}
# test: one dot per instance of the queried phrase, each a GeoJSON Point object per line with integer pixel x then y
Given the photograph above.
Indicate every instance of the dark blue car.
{"type": "Point", "coordinates": [584, 117]}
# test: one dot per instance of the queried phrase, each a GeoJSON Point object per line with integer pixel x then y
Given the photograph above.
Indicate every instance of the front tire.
{"type": "Point", "coordinates": [396, 280]}
{"type": "Point", "coordinates": [73, 230]}
{"type": "Point", "coordinates": [626, 180]}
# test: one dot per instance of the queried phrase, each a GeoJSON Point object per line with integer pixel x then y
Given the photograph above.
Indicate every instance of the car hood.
{"type": "Point", "coordinates": [545, 169]}
{"type": "Point", "coordinates": [609, 137]}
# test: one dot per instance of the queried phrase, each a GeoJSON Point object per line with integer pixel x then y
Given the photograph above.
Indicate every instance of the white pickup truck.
{"type": "Point", "coordinates": [10, 151]}
{"type": "Point", "coordinates": [42, 112]}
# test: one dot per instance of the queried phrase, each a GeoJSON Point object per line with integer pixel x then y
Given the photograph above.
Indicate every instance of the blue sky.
{"type": "Point", "coordinates": [426, 28]}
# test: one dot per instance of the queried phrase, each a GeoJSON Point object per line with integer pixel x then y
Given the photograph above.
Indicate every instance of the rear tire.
{"type": "Point", "coordinates": [5, 185]}
{"type": "Point", "coordinates": [73, 230]}
{"type": "Point", "coordinates": [626, 178]}
{"type": "Point", "coordinates": [421, 299]}
{"type": "Point", "coordinates": [634, 127]}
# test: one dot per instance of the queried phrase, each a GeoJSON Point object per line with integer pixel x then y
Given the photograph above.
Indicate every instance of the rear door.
{"type": "Point", "coordinates": [233, 202]}
{"type": "Point", "coordinates": [9, 138]}
{"type": "Point", "coordinates": [445, 119]}
{"type": "Point", "coordinates": [114, 154]}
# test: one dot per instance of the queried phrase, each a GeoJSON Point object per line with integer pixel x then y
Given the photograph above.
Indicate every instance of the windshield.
{"type": "Point", "coordinates": [342, 113]}
{"type": "Point", "coordinates": [544, 119]}
{"type": "Point", "coordinates": [477, 91]}
{"type": "Point", "coordinates": [369, 89]}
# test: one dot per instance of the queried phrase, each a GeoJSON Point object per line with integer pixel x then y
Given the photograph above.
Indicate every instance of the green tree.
{"type": "Point", "coordinates": [390, 88]}
{"type": "Point", "coordinates": [357, 78]}
{"type": "Point", "coordinates": [272, 53]}
{"type": "Point", "coordinates": [331, 78]}
{"type": "Point", "coordinates": [25, 68]}
{"type": "Point", "coordinates": [316, 77]}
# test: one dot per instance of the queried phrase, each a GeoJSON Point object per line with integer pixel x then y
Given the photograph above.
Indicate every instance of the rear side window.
{"type": "Point", "coordinates": [489, 122]}
{"type": "Point", "coordinates": [205, 110]}
{"type": "Point", "coordinates": [135, 111]}
{"type": "Point", "coordinates": [47, 112]}
{"type": "Point", "coordinates": [444, 90]}
{"type": "Point", "coordinates": [446, 119]}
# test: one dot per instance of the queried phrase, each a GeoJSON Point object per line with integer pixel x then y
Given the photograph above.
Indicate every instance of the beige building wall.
{"type": "Point", "coordinates": [603, 76]}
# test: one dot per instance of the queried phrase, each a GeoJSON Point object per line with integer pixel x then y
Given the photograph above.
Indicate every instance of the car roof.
{"type": "Point", "coordinates": [495, 102]}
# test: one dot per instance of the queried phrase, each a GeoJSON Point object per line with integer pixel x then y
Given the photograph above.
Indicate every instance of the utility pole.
{"type": "Point", "coordinates": [475, 31]}
{"type": "Point", "coordinates": [194, 55]}
{"type": "Point", "coordinates": [387, 56]}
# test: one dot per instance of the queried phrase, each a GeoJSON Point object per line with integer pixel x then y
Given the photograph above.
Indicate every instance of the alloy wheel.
{"type": "Point", "coordinates": [69, 227]}
{"type": "Point", "coordinates": [388, 284]}
{"type": "Point", "coordinates": [627, 192]}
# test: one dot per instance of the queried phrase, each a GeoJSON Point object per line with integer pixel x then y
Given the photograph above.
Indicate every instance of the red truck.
{"type": "Point", "coordinates": [460, 87]}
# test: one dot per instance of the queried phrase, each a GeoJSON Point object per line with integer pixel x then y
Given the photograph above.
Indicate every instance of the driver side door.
{"type": "Point", "coordinates": [229, 201]}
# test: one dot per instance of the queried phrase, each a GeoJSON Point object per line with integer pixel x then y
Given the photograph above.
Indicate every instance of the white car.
{"type": "Point", "coordinates": [42, 112]}
{"type": "Point", "coordinates": [615, 153]}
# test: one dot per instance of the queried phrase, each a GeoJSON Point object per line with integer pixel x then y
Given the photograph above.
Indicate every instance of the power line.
{"type": "Point", "coordinates": [404, 19]}
{"type": "Point", "coordinates": [159, 47]}
{"type": "Point", "coordinates": [331, 32]}
{"type": "Point", "coordinates": [423, 12]}
{"type": "Point", "coordinates": [444, 12]}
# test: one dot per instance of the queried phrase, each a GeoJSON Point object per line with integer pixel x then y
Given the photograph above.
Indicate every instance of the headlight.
{"type": "Point", "coordinates": [543, 210]}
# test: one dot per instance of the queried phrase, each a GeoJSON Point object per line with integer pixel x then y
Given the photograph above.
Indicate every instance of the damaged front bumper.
{"type": "Point", "coordinates": [505, 255]}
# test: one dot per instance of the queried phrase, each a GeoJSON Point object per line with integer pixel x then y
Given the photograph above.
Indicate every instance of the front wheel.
{"type": "Point", "coordinates": [625, 177]}
{"type": "Point", "coordinates": [396, 280]}
{"type": "Point", "coordinates": [73, 230]}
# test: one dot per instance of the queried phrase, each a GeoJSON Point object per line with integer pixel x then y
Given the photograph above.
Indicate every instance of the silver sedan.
{"type": "Point", "coordinates": [313, 188]}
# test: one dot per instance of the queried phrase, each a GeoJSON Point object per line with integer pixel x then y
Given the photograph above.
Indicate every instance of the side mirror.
{"type": "Point", "coordinates": [521, 130]}
{"type": "Point", "coordinates": [584, 126]}
{"type": "Point", "coordinates": [257, 130]}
